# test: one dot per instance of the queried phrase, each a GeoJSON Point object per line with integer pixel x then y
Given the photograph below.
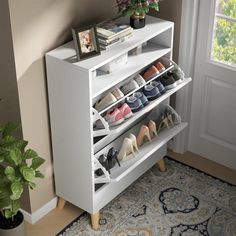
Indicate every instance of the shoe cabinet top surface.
{"type": "Point", "coordinates": [154, 26]}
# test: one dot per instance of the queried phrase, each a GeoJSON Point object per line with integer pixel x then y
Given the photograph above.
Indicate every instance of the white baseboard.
{"type": "Point", "coordinates": [41, 212]}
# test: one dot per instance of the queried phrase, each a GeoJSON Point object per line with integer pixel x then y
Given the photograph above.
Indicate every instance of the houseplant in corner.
{"type": "Point", "coordinates": [18, 168]}
{"type": "Point", "coordinates": [137, 10]}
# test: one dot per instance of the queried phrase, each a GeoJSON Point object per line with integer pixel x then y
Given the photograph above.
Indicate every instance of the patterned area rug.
{"type": "Point", "coordinates": [181, 201]}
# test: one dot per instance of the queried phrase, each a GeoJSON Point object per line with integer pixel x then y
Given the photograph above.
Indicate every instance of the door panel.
{"type": "Point", "coordinates": [213, 111]}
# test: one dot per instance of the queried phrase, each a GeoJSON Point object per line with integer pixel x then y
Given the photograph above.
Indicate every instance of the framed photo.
{"type": "Point", "coordinates": [86, 42]}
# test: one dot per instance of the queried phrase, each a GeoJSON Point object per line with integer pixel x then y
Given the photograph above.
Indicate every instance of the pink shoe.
{"type": "Point", "coordinates": [125, 110]}
{"type": "Point", "coordinates": [114, 117]}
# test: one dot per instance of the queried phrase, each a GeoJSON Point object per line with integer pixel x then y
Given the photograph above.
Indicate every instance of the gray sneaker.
{"type": "Point", "coordinates": [129, 87]}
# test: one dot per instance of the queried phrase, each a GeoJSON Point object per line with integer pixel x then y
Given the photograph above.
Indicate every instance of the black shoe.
{"type": "Point", "coordinates": [104, 162]}
{"type": "Point", "coordinates": [112, 158]}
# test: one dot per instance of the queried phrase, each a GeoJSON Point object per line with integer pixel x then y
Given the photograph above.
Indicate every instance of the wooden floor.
{"type": "Point", "coordinates": [56, 220]}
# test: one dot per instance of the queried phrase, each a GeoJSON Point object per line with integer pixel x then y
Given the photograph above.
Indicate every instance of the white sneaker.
{"type": "Point", "coordinates": [129, 87]}
{"type": "Point", "coordinates": [105, 102]}
{"type": "Point", "coordinates": [117, 93]}
{"type": "Point", "coordinates": [140, 80]}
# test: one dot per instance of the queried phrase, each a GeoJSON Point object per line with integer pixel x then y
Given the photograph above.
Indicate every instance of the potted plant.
{"type": "Point", "coordinates": [18, 169]}
{"type": "Point", "coordinates": [137, 10]}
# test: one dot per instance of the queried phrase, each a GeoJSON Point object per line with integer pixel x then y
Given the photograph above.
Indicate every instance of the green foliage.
{"type": "Point", "coordinates": [224, 43]}
{"type": "Point", "coordinates": [139, 7]}
{"type": "Point", "coordinates": [18, 168]}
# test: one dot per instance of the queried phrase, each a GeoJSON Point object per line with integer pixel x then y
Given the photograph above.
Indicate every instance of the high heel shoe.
{"type": "Point", "coordinates": [152, 128]}
{"type": "Point", "coordinates": [104, 162]}
{"type": "Point", "coordinates": [133, 139]}
{"type": "Point", "coordinates": [162, 122]}
{"type": "Point", "coordinates": [126, 149]}
{"type": "Point", "coordinates": [172, 115]}
{"type": "Point", "coordinates": [112, 158]}
{"type": "Point", "coordinates": [143, 132]}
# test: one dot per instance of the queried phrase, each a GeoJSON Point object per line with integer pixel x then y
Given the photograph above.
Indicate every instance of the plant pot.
{"type": "Point", "coordinates": [137, 21]}
{"type": "Point", "coordinates": [15, 227]}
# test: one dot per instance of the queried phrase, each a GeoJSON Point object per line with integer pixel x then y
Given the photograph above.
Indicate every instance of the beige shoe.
{"type": "Point", "coordinates": [117, 93]}
{"type": "Point", "coordinates": [105, 102]}
{"type": "Point", "coordinates": [143, 133]}
{"type": "Point", "coordinates": [133, 139]}
{"type": "Point", "coordinates": [152, 129]}
{"type": "Point", "coordinates": [126, 150]}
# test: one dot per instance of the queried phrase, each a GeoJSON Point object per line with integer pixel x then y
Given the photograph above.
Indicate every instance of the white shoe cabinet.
{"type": "Point", "coordinates": [73, 89]}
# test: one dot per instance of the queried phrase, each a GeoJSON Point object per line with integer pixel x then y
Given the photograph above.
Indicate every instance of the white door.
{"type": "Point", "coordinates": [213, 110]}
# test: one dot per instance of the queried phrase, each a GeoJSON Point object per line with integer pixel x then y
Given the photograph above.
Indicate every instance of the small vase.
{"type": "Point", "coordinates": [137, 21]}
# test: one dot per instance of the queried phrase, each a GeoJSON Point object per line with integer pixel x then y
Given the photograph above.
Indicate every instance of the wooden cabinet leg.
{"type": "Point", "coordinates": [161, 165]}
{"type": "Point", "coordinates": [95, 221]}
{"type": "Point", "coordinates": [61, 203]}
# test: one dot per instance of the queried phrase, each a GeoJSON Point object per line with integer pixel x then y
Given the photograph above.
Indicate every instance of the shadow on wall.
{"type": "Point", "coordinates": [37, 27]}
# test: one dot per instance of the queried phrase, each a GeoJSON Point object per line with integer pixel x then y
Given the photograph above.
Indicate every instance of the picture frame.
{"type": "Point", "coordinates": [86, 42]}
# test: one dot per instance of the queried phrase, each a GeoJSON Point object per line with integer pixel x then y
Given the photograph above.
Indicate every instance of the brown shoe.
{"type": "Point", "coordinates": [160, 66]}
{"type": "Point", "coordinates": [150, 73]}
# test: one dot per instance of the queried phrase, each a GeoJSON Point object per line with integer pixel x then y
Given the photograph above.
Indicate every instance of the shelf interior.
{"type": "Point", "coordinates": [148, 148]}
{"type": "Point", "coordinates": [118, 130]}
{"type": "Point", "coordinates": [150, 53]}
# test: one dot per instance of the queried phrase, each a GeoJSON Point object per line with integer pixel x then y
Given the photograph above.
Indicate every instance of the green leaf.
{"type": "Point", "coordinates": [29, 154]}
{"type": "Point", "coordinates": [28, 173]}
{"type": "Point", "coordinates": [21, 144]}
{"type": "Point", "coordinates": [9, 214]}
{"type": "Point", "coordinates": [32, 185]}
{"type": "Point", "coordinates": [1, 158]}
{"type": "Point", "coordinates": [37, 162]}
{"type": "Point", "coordinates": [9, 128]}
{"type": "Point", "coordinates": [38, 174]}
{"type": "Point", "coordinates": [15, 155]}
{"type": "Point", "coordinates": [17, 190]}
{"type": "Point", "coordinates": [5, 202]}
{"type": "Point", "coordinates": [15, 206]}
{"type": "Point", "coordinates": [10, 173]}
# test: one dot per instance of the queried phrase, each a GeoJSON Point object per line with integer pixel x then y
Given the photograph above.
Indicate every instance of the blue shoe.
{"type": "Point", "coordinates": [159, 85]}
{"type": "Point", "coordinates": [151, 92]}
{"type": "Point", "coordinates": [142, 98]}
{"type": "Point", "coordinates": [134, 103]}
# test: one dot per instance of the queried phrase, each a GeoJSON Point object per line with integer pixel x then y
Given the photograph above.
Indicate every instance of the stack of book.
{"type": "Point", "coordinates": [110, 33]}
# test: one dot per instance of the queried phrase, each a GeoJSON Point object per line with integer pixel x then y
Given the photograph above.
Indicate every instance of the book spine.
{"type": "Point", "coordinates": [117, 35]}
{"type": "Point", "coordinates": [110, 41]}
{"type": "Point", "coordinates": [104, 47]}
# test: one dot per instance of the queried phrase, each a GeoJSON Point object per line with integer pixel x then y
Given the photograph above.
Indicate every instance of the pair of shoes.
{"type": "Point", "coordinates": [118, 115]}
{"type": "Point", "coordinates": [171, 80]}
{"type": "Point", "coordinates": [150, 73]}
{"type": "Point", "coordinates": [172, 115]}
{"type": "Point", "coordinates": [160, 66]}
{"type": "Point", "coordinates": [151, 91]}
{"type": "Point", "coordinates": [164, 121]}
{"type": "Point", "coordinates": [108, 161]}
{"type": "Point", "coordinates": [147, 132]}
{"type": "Point", "coordinates": [154, 90]}
{"type": "Point", "coordinates": [177, 76]}
{"type": "Point", "coordinates": [133, 84]}
{"type": "Point", "coordinates": [137, 101]}
{"type": "Point", "coordinates": [154, 70]}
{"type": "Point", "coordinates": [159, 85]}
{"type": "Point", "coordinates": [109, 99]}
{"type": "Point", "coordinates": [127, 147]}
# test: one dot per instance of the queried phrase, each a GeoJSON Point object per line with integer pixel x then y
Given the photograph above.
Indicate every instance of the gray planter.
{"type": "Point", "coordinates": [17, 231]}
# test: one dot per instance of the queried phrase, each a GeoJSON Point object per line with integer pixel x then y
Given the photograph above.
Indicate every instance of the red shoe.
{"type": "Point", "coordinates": [150, 73]}
{"type": "Point", "coordinates": [125, 110]}
{"type": "Point", "coordinates": [114, 117]}
{"type": "Point", "coordinates": [159, 66]}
